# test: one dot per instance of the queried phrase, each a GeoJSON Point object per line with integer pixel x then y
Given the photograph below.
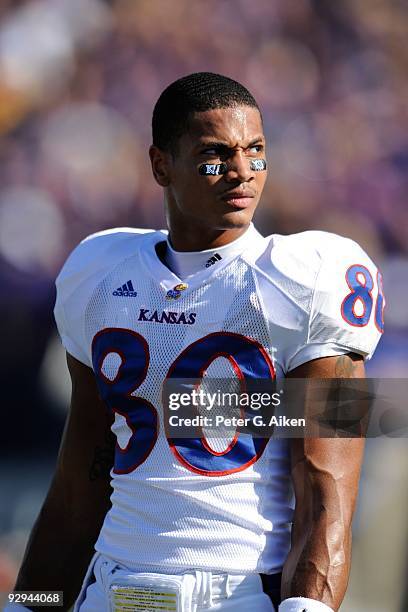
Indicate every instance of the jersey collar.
{"type": "Point", "coordinates": [168, 279]}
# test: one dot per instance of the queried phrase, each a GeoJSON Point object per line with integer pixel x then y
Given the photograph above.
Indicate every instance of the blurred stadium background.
{"type": "Point", "coordinates": [78, 81]}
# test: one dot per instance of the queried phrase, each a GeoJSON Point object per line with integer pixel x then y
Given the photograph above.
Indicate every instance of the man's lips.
{"type": "Point", "coordinates": [238, 198]}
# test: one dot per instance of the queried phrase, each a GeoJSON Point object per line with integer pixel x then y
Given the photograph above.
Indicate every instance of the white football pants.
{"type": "Point", "coordinates": [215, 592]}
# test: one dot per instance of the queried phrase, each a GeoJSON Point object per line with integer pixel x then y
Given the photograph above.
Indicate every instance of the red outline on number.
{"type": "Point", "coordinates": [128, 395]}
{"type": "Point", "coordinates": [241, 378]}
{"type": "Point", "coordinates": [134, 466]}
{"type": "Point", "coordinates": [175, 452]}
{"type": "Point", "coordinates": [119, 352]}
{"type": "Point", "coordinates": [380, 284]}
{"type": "Point", "coordinates": [370, 293]}
{"type": "Point", "coordinates": [132, 429]}
{"type": "Point", "coordinates": [107, 380]}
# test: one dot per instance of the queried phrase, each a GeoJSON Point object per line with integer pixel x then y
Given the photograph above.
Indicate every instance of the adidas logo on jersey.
{"type": "Point", "coordinates": [213, 260]}
{"type": "Point", "coordinates": [125, 290]}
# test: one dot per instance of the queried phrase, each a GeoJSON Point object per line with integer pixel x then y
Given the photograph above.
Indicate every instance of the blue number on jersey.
{"type": "Point", "coordinates": [250, 362]}
{"type": "Point", "coordinates": [140, 415]}
{"type": "Point", "coordinates": [361, 292]}
{"type": "Point", "coordinates": [379, 307]}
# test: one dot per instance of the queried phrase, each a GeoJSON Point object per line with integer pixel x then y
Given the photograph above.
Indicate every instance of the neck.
{"type": "Point", "coordinates": [183, 239]}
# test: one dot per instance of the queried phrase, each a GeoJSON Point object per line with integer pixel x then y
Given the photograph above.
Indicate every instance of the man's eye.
{"type": "Point", "coordinates": [255, 149]}
{"type": "Point", "coordinates": [212, 151]}
{"type": "Point", "coordinates": [224, 151]}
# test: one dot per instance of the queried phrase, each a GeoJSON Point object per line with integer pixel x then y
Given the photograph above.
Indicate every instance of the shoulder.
{"type": "Point", "coordinates": [100, 250]}
{"type": "Point", "coordinates": [301, 257]}
{"type": "Point", "coordinates": [326, 287]}
{"type": "Point", "coordinates": [313, 248]}
{"type": "Point", "coordinates": [319, 247]}
{"type": "Point", "coordinates": [88, 264]}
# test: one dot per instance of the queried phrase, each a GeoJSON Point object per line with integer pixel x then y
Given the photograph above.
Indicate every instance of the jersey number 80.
{"type": "Point", "coordinates": [249, 360]}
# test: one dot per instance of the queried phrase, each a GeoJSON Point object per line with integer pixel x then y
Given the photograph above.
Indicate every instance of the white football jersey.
{"type": "Point", "coordinates": [283, 301]}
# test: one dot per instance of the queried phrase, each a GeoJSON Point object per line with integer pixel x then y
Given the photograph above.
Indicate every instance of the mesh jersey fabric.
{"type": "Point", "coordinates": [283, 292]}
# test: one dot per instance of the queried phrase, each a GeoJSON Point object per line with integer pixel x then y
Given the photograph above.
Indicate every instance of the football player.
{"type": "Point", "coordinates": [187, 526]}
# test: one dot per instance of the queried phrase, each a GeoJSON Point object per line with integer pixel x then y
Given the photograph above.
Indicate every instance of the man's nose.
{"type": "Point", "coordinates": [239, 168]}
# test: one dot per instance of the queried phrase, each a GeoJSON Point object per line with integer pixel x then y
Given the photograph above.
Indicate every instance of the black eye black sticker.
{"type": "Point", "coordinates": [215, 169]}
{"type": "Point", "coordinates": [257, 165]}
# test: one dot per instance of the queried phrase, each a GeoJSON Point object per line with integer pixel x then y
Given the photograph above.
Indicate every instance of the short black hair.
{"type": "Point", "coordinates": [194, 93]}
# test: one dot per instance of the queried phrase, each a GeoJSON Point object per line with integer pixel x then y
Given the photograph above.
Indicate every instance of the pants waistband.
{"type": "Point", "coordinates": [209, 586]}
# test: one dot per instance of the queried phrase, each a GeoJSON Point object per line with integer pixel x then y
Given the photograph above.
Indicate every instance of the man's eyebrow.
{"type": "Point", "coordinates": [212, 143]}
{"type": "Point", "coordinates": [219, 143]}
{"type": "Point", "coordinates": [258, 140]}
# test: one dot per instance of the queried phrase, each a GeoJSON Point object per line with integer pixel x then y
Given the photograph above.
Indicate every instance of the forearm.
{"type": "Point", "coordinates": [318, 565]}
{"type": "Point", "coordinates": [58, 553]}
{"type": "Point", "coordinates": [63, 538]}
{"type": "Point", "coordinates": [325, 474]}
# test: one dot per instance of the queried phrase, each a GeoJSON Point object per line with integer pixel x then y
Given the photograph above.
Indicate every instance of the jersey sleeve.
{"type": "Point", "coordinates": [346, 307]}
{"type": "Point", "coordinates": [73, 291]}
{"type": "Point", "coordinates": [88, 263]}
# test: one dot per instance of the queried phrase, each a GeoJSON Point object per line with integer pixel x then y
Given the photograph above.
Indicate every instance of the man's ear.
{"type": "Point", "coordinates": [160, 165]}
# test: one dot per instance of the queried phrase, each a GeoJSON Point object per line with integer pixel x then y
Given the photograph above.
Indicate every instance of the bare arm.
{"type": "Point", "coordinates": [325, 474]}
{"type": "Point", "coordinates": [61, 542]}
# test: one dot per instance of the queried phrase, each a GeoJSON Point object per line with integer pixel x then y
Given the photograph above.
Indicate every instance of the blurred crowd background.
{"type": "Point", "coordinates": [78, 82]}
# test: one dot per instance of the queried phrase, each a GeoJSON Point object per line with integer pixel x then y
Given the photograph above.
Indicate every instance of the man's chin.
{"type": "Point", "coordinates": [236, 219]}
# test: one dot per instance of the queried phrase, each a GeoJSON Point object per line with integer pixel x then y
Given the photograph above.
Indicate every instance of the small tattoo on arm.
{"type": "Point", "coordinates": [102, 461]}
{"type": "Point", "coordinates": [346, 365]}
